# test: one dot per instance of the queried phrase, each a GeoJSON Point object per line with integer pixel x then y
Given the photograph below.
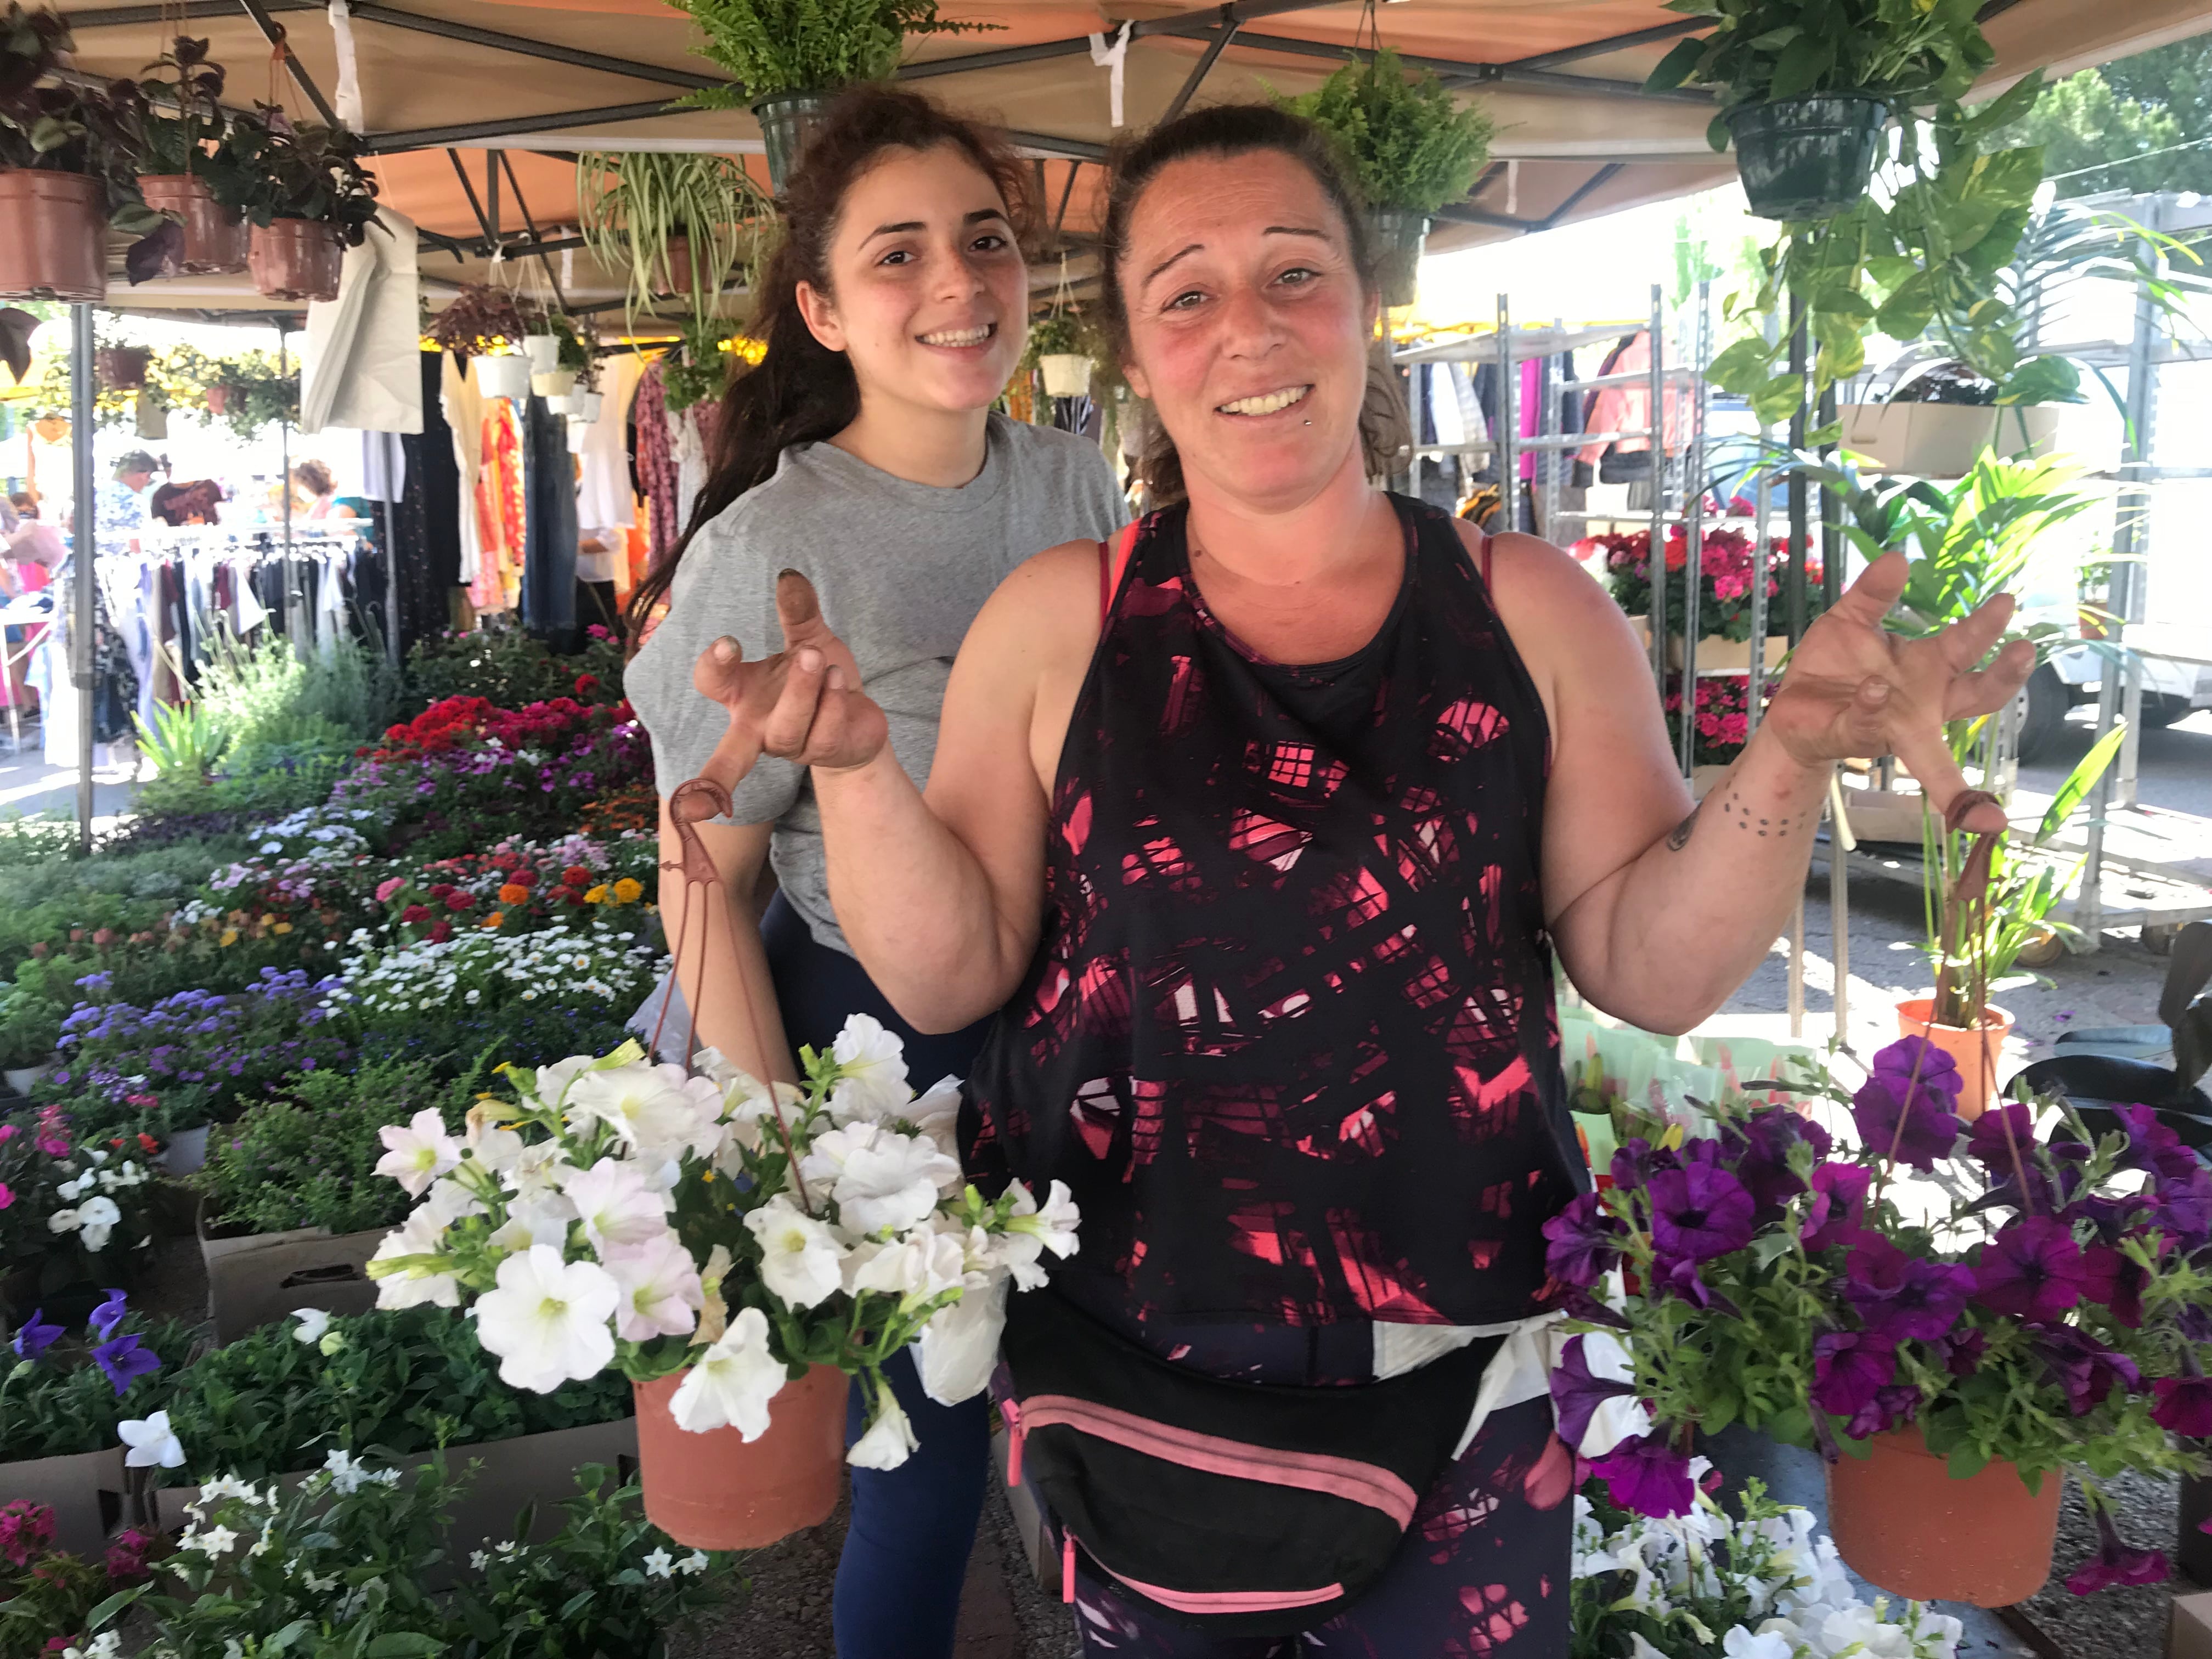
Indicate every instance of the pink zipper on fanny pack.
{"type": "Point", "coordinates": [1192, 1601]}
{"type": "Point", "coordinates": [1338, 1477]}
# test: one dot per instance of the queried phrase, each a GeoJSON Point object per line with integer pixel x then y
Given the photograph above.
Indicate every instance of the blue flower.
{"type": "Point", "coordinates": [108, 1315]}
{"type": "Point", "coordinates": [125, 1360]}
{"type": "Point", "coordinates": [34, 1338]}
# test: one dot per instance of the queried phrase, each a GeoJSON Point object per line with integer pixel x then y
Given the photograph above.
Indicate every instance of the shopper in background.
{"type": "Point", "coordinates": [597, 549]}
{"type": "Point", "coordinates": [121, 508]}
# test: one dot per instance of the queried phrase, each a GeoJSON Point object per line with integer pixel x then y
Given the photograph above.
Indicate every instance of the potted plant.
{"type": "Point", "coordinates": [181, 151]}
{"type": "Point", "coordinates": [1941, 417]}
{"type": "Point", "coordinates": [673, 224]}
{"type": "Point", "coordinates": [1412, 147]}
{"type": "Point", "coordinates": [79, 1210]}
{"type": "Point", "coordinates": [58, 146]}
{"type": "Point", "coordinates": [1806, 93]}
{"type": "Point", "coordinates": [787, 57]}
{"type": "Point", "coordinates": [698, 367]}
{"type": "Point", "coordinates": [1058, 347]}
{"type": "Point", "coordinates": [808, 1235]}
{"type": "Point", "coordinates": [123, 367]}
{"type": "Point", "coordinates": [308, 198]}
{"type": "Point", "coordinates": [1954, 1318]}
{"type": "Point", "coordinates": [48, 1592]}
{"type": "Point", "coordinates": [250, 392]}
{"type": "Point", "coordinates": [1724, 590]}
{"type": "Point", "coordinates": [559, 353]}
{"type": "Point", "coordinates": [488, 324]}
{"type": "Point", "coordinates": [30, 1026]}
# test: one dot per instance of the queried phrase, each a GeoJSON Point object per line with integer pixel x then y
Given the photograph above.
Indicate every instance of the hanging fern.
{"type": "Point", "coordinates": [1410, 143]}
{"type": "Point", "coordinates": [775, 46]}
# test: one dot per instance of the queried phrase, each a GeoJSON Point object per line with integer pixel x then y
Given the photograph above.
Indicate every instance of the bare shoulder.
{"type": "Point", "coordinates": [1049, 605]}
{"type": "Point", "coordinates": [1530, 576]}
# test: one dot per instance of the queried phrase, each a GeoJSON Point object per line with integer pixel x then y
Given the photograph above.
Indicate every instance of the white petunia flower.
{"type": "Point", "coordinates": [801, 1258]}
{"type": "Point", "coordinates": [314, 1322]}
{"type": "Point", "coordinates": [661, 1295]}
{"type": "Point", "coordinates": [730, 1385]}
{"type": "Point", "coordinates": [547, 1320]}
{"type": "Point", "coordinates": [959, 1346]}
{"type": "Point", "coordinates": [616, 1203]}
{"type": "Point", "coordinates": [96, 1218]}
{"type": "Point", "coordinates": [543, 1220]}
{"type": "Point", "coordinates": [450, 1201]}
{"type": "Point", "coordinates": [658, 1110]}
{"type": "Point", "coordinates": [1054, 1226]}
{"type": "Point", "coordinates": [871, 1083]}
{"type": "Point", "coordinates": [879, 1178]}
{"type": "Point", "coordinates": [153, 1444]}
{"type": "Point", "coordinates": [936, 1114]}
{"type": "Point", "coordinates": [890, 1440]}
{"type": "Point", "coordinates": [918, 1268]}
{"type": "Point", "coordinates": [418, 1154]}
{"type": "Point", "coordinates": [421, 1235]}
{"type": "Point", "coordinates": [659, 1564]}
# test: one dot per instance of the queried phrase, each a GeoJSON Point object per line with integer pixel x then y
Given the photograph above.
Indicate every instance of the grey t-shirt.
{"type": "Point", "coordinates": [901, 570]}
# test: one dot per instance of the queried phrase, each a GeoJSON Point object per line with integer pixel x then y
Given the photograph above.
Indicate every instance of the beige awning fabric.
{"type": "Point", "coordinates": [450, 89]}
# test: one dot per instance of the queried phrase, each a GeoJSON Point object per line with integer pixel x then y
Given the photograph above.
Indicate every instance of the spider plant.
{"type": "Point", "coordinates": [673, 224]}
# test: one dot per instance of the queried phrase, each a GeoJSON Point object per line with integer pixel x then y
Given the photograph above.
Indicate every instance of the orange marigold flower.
{"type": "Point", "coordinates": [514, 893]}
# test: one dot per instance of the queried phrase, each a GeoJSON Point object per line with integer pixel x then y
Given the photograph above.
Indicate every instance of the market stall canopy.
{"type": "Point", "coordinates": [475, 108]}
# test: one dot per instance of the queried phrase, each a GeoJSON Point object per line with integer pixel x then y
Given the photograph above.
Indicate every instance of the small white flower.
{"type": "Point", "coordinates": [422, 1234]}
{"type": "Point", "coordinates": [732, 1382]}
{"type": "Point", "coordinates": [695, 1562]}
{"type": "Point", "coordinates": [96, 1218]}
{"type": "Point", "coordinates": [347, 1474]}
{"type": "Point", "coordinates": [660, 1565]}
{"type": "Point", "coordinates": [879, 1178]}
{"type": "Point", "coordinates": [319, 1583]}
{"type": "Point", "coordinates": [1054, 1226]}
{"type": "Point", "coordinates": [216, 1540]}
{"type": "Point", "coordinates": [418, 1154]}
{"type": "Point", "coordinates": [479, 1561]}
{"type": "Point", "coordinates": [800, 1256]}
{"type": "Point", "coordinates": [547, 1320]}
{"type": "Point", "coordinates": [314, 1322]}
{"type": "Point", "coordinates": [617, 1204]}
{"type": "Point", "coordinates": [872, 1073]}
{"type": "Point", "coordinates": [153, 1445]}
{"type": "Point", "coordinates": [890, 1439]}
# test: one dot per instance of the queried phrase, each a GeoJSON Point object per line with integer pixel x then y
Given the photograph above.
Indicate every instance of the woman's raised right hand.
{"type": "Point", "coordinates": [803, 704]}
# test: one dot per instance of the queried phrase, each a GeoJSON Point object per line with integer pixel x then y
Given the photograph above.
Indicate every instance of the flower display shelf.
{"type": "Point", "coordinates": [85, 1490]}
{"type": "Point", "coordinates": [256, 1278]}
{"type": "Point", "coordinates": [1717, 655]}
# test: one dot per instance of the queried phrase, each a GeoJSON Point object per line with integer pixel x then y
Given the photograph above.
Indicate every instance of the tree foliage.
{"type": "Point", "coordinates": [2098, 128]}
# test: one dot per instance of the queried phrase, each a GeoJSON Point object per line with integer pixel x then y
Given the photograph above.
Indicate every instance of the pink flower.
{"type": "Point", "coordinates": [7, 1195]}
{"type": "Point", "coordinates": [385, 889]}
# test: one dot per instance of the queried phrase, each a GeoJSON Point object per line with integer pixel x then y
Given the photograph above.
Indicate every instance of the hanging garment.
{"type": "Point", "coordinates": [463, 410]}
{"type": "Point", "coordinates": [500, 512]}
{"type": "Point", "coordinates": [656, 462]}
{"type": "Point", "coordinates": [690, 432]}
{"type": "Point", "coordinates": [1628, 409]}
{"type": "Point", "coordinates": [602, 491]}
{"type": "Point", "coordinates": [548, 584]}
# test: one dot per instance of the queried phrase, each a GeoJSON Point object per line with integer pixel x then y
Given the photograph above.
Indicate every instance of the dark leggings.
{"type": "Point", "coordinates": [1482, 1572]}
{"type": "Point", "coordinates": [906, 1550]}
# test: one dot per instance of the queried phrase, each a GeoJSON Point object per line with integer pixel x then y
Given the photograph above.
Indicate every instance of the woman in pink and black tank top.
{"type": "Point", "coordinates": [1262, 827]}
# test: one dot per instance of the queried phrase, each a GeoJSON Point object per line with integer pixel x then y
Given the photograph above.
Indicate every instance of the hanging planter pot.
{"type": "Point", "coordinates": [123, 369]}
{"type": "Point", "coordinates": [503, 377]}
{"type": "Point", "coordinates": [552, 382]}
{"type": "Point", "coordinates": [787, 122]}
{"type": "Point", "coordinates": [717, 1491]}
{"type": "Point", "coordinates": [1399, 235]}
{"type": "Point", "coordinates": [543, 351]}
{"type": "Point", "coordinates": [1807, 158]}
{"type": "Point", "coordinates": [218, 401]}
{"type": "Point", "coordinates": [1905, 1525]}
{"type": "Point", "coordinates": [1066, 374]}
{"type": "Point", "coordinates": [588, 405]}
{"type": "Point", "coordinates": [53, 235]}
{"type": "Point", "coordinates": [1976, 1052]}
{"type": "Point", "coordinates": [216, 241]}
{"type": "Point", "coordinates": [559, 403]}
{"type": "Point", "coordinates": [295, 259]}
{"type": "Point", "coordinates": [1944, 441]}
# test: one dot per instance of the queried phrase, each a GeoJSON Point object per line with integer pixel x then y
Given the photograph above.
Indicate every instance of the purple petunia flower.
{"type": "Point", "coordinates": [1585, 1241]}
{"type": "Point", "coordinates": [1762, 1144]}
{"type": "Point", "coordinates": [2113, 1279]}
{"type": "Point", "coordinates": [1645, 1475]}
{"type": "Point", "coordinates": [2114, 1562]}
{"type": "Point", "coordinates": [1578, 1392]}
{"type": "Point", "coordinates": [1699, 1212]}
{"type": "Point", "coordinates": [2184, 1406]}
{"type": "Point", "coordinates": [109, 1313]}
{"type": "Point", "coordinates": [2084, 1367]}
{"type": "Point", "coordinates": [1839, 1195]}
{"type": "Point", "coordinates": [34, 1338]}
{"type": "Point", "coordinates": [2185, 1209]}
{"type": "Point", "coordinates": [1901, 1298]}
{"type": "Point", "coordinates": [1916, 1125]}
{"type": "Point", "coordinates": [1848, 1367]}
{"type": "Point", "coordinates": [2033, 1270]}
{"type": "Point", "coordinates": [125, 1360]}
{"type": "Point", "coordinates": [2153, 1146]}
{"type": "Point", "coordinates": [1914, 1059]}
{"type": "Point", "coordinates": [1960, 1353]}
{"type": "Point", "coordinates": [1891, 1408]}
{"type": "Point", "coordinates": [1987, 1143]}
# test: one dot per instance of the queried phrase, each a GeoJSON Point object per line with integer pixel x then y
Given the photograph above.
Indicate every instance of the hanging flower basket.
{"type": "Point", "coordinates": [218, 401]}
{"type": "Point", "coordinates": [1807, 158]}
{"type": "Point", "coordinates": [216, 242]}
{"type": "Point", "coordinates": [552, 382]}
{"type": "Point", "coordinates": [501, 377]}
{"type": "Point", "coordinates": [560, 403]}
{"type": "Point", "coordinates": [787, 122]}
{"type": "Point", "coordinates": [717, 1491]}
{"type": "Point", "coordinates": [1904, 1524]}
{"type": "Point", "coordinates": [53, 235]}
{"type": "Point", "coordinates": [1067, 374]}
{"type": "Point", "coordinates": [1399, 235]}
{"type": "Point", "coordinates": [123, 369]}
{"type": "Point", "coordinates": [295, 259]}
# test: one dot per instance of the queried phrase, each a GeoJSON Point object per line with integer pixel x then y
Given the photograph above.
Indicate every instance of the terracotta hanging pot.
{"type": "Point", "coordinates": [216, 240]}
{"type": "Point", "coordinates": [123, 369]}
{"type": "Point", "coordinates": [218, 401]}
{"type": "Point", "coordinates": [1905, 1525]}
{"type": "Point", "coordinates": [53, 235]}
{"type": "Point", "coordinates": [295, 259]}
{"type": "Point", "coordinates": [1977, 1052]}
{"type": "Point", "coordinates": [717, 1491]}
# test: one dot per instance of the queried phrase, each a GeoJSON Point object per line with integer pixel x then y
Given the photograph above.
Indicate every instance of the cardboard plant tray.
{"type": "Point", "coordinates": [256, 1278]}
{"type": "Point", "coordinates": [85, 1490]}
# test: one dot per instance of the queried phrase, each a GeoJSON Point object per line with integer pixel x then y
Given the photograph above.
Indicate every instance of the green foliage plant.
{"type": "Point", "coordinates": [1410, 144]}
{"type": "Point", "coordinates": [509, 669]}
{"type": "Point", "coordinates": [184, 740]}
{"type": "Point", "coordinates": [289, 171]}
{"type": "Point", "coordinates": [60, 1403]}
{"type": "Point", "coordinates": [775, 46]}
{"type": "Point", "coordinates": [672, 224]}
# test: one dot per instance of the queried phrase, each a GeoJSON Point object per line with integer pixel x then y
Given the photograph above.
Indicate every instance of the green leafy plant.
{"type": "Point", "coordinates": [1061, 331]}
{"type": "Point", "coordinates": [673, 224]}
{"type": "Point", "coordinates": [1904, 52]}
{"type": "Point", "coordinates": [698, 366]}
{"type": "Point", "coordinates": [59, 1401]}
{"type": "Point", "coordinates": [509, 668]}
{"type": "Point", "coordinates": [29, 1027]}
{"type": "Point", "coordinates": [776, 46]}
{"type": "Point", "coordinates": [184, 740]}
{"type": "Point", "coordinates": [293, 171]}
{"type": "Point", "coordinates": [1410, 143]}
{"type": "Point", "coordinates": [484, 320]}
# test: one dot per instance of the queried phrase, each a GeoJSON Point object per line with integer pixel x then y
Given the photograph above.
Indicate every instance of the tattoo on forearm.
{"type": "Point", "coordinates": [1680, 837]}
{"type": "Point", "coordinates": [1744, 819]}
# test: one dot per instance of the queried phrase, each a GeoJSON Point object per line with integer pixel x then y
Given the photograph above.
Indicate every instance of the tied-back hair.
{"type": "Point", "coordinates": [801, 391]}
{"type": "Point", "coordinates": [1225, 131]}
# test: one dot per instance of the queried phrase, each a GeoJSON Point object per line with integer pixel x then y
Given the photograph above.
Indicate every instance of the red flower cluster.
{"type": "Point", "coordinates": [542, 724]}
{"type": "Point", "coordinates": [1723, 712]}
{"type": "Point", "coordinates": [442, 726]}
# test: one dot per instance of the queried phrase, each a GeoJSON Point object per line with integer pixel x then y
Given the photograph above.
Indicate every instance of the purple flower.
{"type": "Point", "coordinates": [2032, 1270]}
{"type": "Point", "coordinates": [1960, 1353]}
{"type": "Point", "coordinates": [1901, 1298]}
{"type": "Point", "coordinates": [2113, 1279]}
{"type": "Point", "coordinates": [1679, 1279]}
{"type": "Point", "coordinates": [1896, 1404]}
{"type": "Point", "coordinates": [1914, 1059]}
{"type": "Point", "coordinates": [2154, 1147]}
{"type": "Point", "coordinates": [1763, 1143]}
{"type": "Point", "coordinates": [109, 1313]}
{"type": "Point", "coordinates": [1839, 1194]}
{"type": "Point", "coordinates": [33, 1338]}
{"type": "Point", "coordinates": [1987, 1143]}
{"type": "Point", "coordinates": [1917, 1123]}
{"type": "Point", "coordinates": [2185, 1209]}
{"type": "Point", "coordinates": [1578, 1394]}
{"type": "Point", "coordinates": [1585, 1241]}
{"type": "Point", "coordinates": [1646, 1476]}
{"type": "Point", "coordinates": [2114, 1563]}
{"type": "Point", "coordinates": [1848, 1368]}
{"type": "Point", "coordinates": [1699, 1212]}
{"type": "Point", "coordinates": [125, 1361]}
{"type": "Point", "coordinates": [2084, 1367]}
{"type": "Point", "coordinates": [2184, 1406]}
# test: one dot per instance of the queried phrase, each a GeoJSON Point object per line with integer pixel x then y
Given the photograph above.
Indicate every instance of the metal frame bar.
{"type": "Point", "coordinates": [530, 224]}
{"type": "Point", "coordinates": [274, 34]}
{"type": "Point", "coordinates": [1205, 61]}
{"type": "Point", "coordinates": [84, 551]}
{"type": "Point", "coordinates": [475, 205]}
{"type": "Point", "coordinates": [385, 144]}
{"type": "Point", "coordinates": [1544, 60]}
{"type": "Point", "coordinates": [552, 51]}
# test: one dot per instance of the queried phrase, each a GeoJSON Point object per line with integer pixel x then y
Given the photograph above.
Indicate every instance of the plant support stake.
{"type": "Point", "coordinates": [82, 531]}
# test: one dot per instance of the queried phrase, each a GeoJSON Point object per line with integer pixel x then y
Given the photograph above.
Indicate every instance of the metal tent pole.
{"type": "Point", "coordinates": [1655, 454]}
{"type": "Point", "coordinates": [284, 440]}
{"type": "Point", "coordinates": [83, 531]}
{"type": "Point", "coordinates": [1507, 448]}
{"type": "Point", "coordinates": [1693, 527]}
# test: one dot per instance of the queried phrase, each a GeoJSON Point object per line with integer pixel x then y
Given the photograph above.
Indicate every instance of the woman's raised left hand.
{"type": "Point", "coordinates": [1855, 689]}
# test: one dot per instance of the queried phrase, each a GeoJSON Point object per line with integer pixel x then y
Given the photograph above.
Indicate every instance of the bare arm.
{"type": "Point", "coordinates": [722, 967]}
{"type": "Point", "coordinates": [1660, 911]}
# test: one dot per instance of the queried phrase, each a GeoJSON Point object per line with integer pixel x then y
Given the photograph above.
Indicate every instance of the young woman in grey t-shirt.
{"type": "Point", "coordinates": [863, 452]}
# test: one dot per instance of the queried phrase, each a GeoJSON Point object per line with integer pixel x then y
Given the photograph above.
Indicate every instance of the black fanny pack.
{"type": "Point", "coordinates": [1246, 1509]}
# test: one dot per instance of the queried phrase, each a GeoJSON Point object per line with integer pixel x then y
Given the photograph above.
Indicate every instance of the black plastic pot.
{"type": "Point", "coordinates": [787, 122]}
{"type": "Point", "coordinates": [1807, 158]}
